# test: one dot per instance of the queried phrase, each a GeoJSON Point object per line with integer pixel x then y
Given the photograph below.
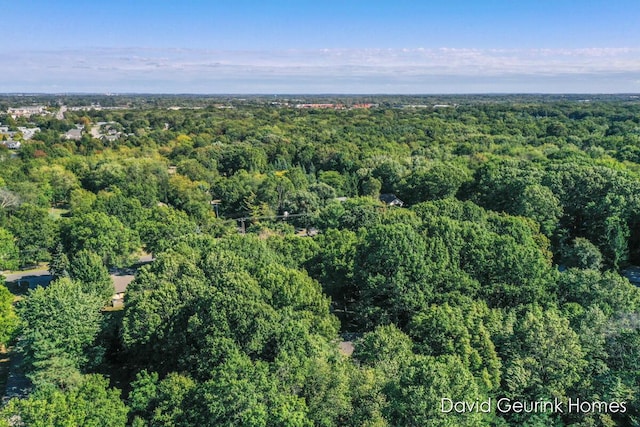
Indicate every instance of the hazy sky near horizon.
{"type": "Point", "coordinates": [321, 46]}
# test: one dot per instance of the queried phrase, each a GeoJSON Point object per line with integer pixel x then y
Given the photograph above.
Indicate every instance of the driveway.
{"type": "Point", "coordinates": [41, 277]}
{"type": "Point", "coordinates": [34, 277]}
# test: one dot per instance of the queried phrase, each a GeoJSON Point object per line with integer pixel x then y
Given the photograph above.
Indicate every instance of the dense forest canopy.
{"type": "Point", "coordinates": [492, 267]}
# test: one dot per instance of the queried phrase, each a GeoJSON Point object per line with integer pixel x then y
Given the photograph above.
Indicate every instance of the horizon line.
{"type": "Point", "coordinates": [275, 94]}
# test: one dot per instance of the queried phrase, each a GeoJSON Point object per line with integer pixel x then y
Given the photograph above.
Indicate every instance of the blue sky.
{"type": "Point", "coordinates": [348, 46]}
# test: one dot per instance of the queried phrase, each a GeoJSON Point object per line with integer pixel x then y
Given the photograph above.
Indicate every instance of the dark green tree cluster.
{"type": "Point", "coordinates": [229, 335]}
{"type": "Point", "coordinates": [275, 257]}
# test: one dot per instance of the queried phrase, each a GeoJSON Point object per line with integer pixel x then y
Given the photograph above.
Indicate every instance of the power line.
{"type": "Point", "coordinates": [286, 215]}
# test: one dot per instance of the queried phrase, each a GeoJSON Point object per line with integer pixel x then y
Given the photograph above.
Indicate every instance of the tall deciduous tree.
{"type": "Point", "coordinates": [415, 397]}
{"type": "Point", "coordinates": [392, 274]}
{"type": "Point", "coordinates": [61, 323]}
{"type": "Point", "coordinates": [34, 230]}
{"type": "Point", "coordinates": [102, 234]}
{"type": "Point", "coordinates": [9, 255]}
{"type": "Point", "coordinates": [545, 357]}
{"type": "Point", "coordinates": [439, 181]}
{"type": "Point", "coordinates": [90, 403]}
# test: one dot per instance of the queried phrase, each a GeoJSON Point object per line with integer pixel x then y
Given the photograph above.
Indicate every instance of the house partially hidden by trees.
{"type": "Point", "coordinates": [74, 134]}
{"type": "Point", "coordinates": [391, 199]}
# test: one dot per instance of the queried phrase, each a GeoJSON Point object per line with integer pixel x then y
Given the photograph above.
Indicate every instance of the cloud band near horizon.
{"type": "Point", "coordinates": [417, 70]}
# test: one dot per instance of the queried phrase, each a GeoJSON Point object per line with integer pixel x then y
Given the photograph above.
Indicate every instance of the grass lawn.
{"type": "Point", "coordinates": [41, 266]}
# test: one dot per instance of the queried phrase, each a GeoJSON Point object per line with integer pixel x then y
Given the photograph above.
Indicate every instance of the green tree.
{"type": "Point", "coordinates": [8, 320]}
{"type": "Point", "coordinates": [415, 397]}
{"type": "Point", "coordinates": [34, 230]}
{"type": "Point", "coordinates": [333, 179]}
{"type": "Point", "coordinates": [351, 214]}
{"type": "Point", "coordinates": [81, 201]}
{"type": "Point", "coordinates": [274, 190]}
{"type": "Point", "coordinates": [87, 268]}
{"type": "Point", "coordinates": [439, 181]}
{"type": "Point", "coordinates": [127, 209]}
{"type": "Point", "coordinates": [582, 254]}
{"type": "Point", "coordinates": [386, 347]}
{"type": "Point", "coordinates": [90, 403]}
{"type": "Point", "coordinates": [9, 255]}
{"type": "Point", "coordinates": [507, 255]}
{"type": "Point", "coordinates": [302, 202]}
{"type": "Point", "coordinates": [389, 172]}
{"type": "Point", "coordinates": [161, 403]}
{"type": "Point", "coordinates": [539, 203]}
{"type": "Point", "coordinates": [60, 324]}
{"type": "Point", "coordinates": [543, 356]}
{"type": "Point", "coordinates": [392, 274]}
{"type": "Point", "coordinates": [164, 225]}
{"type": "Point", "coordinates": [192, 197]}
{"type": "Point", "coordinates": [498, 182]}
{"type": "Point", "coordinates": [460, 331]}
{"type": "Point", "coordinates": [325, 192]}
{"type": "Point", "coordinates": [333, 265]}
{"type": "Point", "coordinates": [607, 291]}
{"type": "Point", "coordinates": [61, 182]}
{"type": "Point", "coordinates": [371, 187]}
{"type": "Point", "coordinates": [615, 241]}
{"type": "Point", "coordinates": [102, 234]}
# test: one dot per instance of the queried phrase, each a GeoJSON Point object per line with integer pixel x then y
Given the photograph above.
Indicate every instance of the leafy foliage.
{"type": "Point", "coordinates": [9, 322]}
{"type": "Point", "coordinates": [247, 315]}
{"type": "Point", "coordinates": [61, 323]}
{"type": "Point", "coordinates": [89, 403]}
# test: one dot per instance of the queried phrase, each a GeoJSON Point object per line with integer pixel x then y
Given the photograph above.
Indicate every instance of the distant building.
{"type": "Point", "coordinates": [390, 199]}
{"type": "Point", "coordinates": [365, 105]}
{"type": "Point", "coordinates": [28, 133]}
{"type": "Point", "coordinates": [13, 145]}
{"type": "Point", "coordinates": [73, 134]}
{"type": "Point", "coordinates": [26, 111]}
{"type": "Point", "coordinates": [322, 106]}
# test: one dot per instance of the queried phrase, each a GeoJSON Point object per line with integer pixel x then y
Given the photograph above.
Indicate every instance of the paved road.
{"type": "Point", "coordinates": [18, 385]}
{"type": "Point", "coordinates": [24, 274]}
{"type": "Point", "coordinates": [34, 277]}
{"type": "Point", "coordinates": [121, 277]}
{"type": "Point", "coordinates": [60, 113]}
{"type": "Point", "coordinates": [633, 274]}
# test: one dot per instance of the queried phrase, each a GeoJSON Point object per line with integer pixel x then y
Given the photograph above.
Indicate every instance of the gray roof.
{"type": "Point", "coordinates": [390, 198]}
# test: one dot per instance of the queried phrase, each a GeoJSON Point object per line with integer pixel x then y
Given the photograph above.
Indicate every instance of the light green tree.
{"type": "Point", "coordinates": [9, 254]}
{"type": "Point", "coordinates": [8, 320]}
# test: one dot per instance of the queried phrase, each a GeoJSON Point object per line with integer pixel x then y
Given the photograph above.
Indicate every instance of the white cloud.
{"type": "Point", "coordinates": [169, 70]}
